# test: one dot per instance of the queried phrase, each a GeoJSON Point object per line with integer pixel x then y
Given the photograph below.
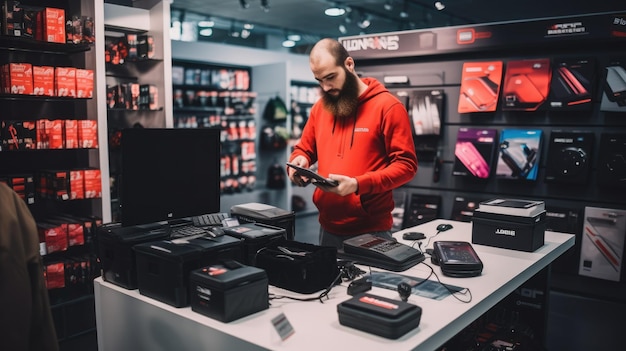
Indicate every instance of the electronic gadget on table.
{"type": "Point", "coordinates": [210, 219]}
{"type": "Point", "coordinates": [413, 236]}
{"type": "Point", "coordinates": [315, 178]}
{"type": "Point", "coordinates": [456, 259]}
{"type": "Point", "coordinates": [380, 252]}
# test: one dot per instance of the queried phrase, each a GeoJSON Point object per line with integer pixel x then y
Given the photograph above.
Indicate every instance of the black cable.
{"type": "Point", "coordinates": [464, 291]}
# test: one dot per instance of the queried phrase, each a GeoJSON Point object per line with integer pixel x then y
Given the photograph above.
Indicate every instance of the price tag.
{"type": "Point", "coordinates": [282, 326]}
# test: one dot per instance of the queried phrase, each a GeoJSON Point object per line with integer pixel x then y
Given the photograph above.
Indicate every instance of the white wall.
{"type": "Point", "coordinates": [297, 65]}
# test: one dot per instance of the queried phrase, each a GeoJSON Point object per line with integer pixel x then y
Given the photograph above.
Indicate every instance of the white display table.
{"type": "Point", "coordinates": [127, 320]}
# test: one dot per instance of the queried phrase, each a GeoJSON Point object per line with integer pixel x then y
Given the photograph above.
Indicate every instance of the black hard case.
{"type": "Point", "coordinates": [238, 292]}
{"type": "Point", "coordinates": [390, 323]}
{"type": "Point", "coordinates": [529, 231]}
{"type": "Point", "coordinates": [163, 266]}
{"type": "Point", "coordinates": [254, 236]}
{"type": "Point", "coordinates": [274, 216]}
{"type": "Point", "coordinates": [115, 250]}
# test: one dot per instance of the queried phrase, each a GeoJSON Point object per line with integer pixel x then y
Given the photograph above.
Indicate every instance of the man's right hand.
{"type": "Point", "coordinates": [297, 179]}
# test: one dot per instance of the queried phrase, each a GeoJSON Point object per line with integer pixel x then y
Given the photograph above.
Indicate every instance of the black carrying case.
{"type": "Point", "coordinates": [228, 290]}
{"type": "Point", "coordinates": [255, 212]}
{"type": "Point", "coordinates": [115, 250]}
{"type": "Point", "coordinates": [300, 267]}
{"type": "Point", "coordinates": [379, 315]}
{"type": "Point", "coordinates": [163, 267]}
{"type": "Point", "coordinates": [254, 237]}
{"type": "Point", "coordinates": [509, 232]}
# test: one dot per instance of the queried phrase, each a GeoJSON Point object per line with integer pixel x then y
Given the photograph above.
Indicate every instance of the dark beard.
{"type": "Point", "coordinates": [345, 104]}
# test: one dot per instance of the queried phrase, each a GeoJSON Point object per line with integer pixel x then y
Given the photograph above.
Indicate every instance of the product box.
{"type": "Point", "coordinates": [18, 135]}
{"type": "Point", "coordinates": [23, 185]}
{"type": "Point", "coordinates": [52, 237]}
{"type": "Point", "coordinates": [389, 318]}
{"type": "Point", "coordinates": [163, 266]}
{"type": "Point", "coordinates": [115, 250]}
{"type": "Point", "coordinates": [84, 83]}
{"type": "Point", "coordinates": [54, 273]}
{"type": "Point", "coordinates": [71, 133]}
{"type": "Point", "coordinates": [602, 243]}
{"type": "Point", "coordinates": [88, 133]}
{"type": "Point", "coordinates": [228, 290]}
{"type": "Point", "coordinates": [55, 133]}
{"type": "Point", "coordinates": [43, 80]}
{"type": "Point", "coordinates": [92, 183]}
{"type": "Point", "coordinates": [77, 184]}
{"type": "Point", "coordinates": [480, 86]}
{"type": "Point", "coordinates": [65, 81]}
{"type": "Point", "coordinates": [55, 184]}
{"type": "Point", "coordinates": [54, 25]}
{"type": "Point", "coordinates": [254, 212]}
{"type": "Point", "coordinates": [12, 18]}
{"type": "Point", "coordinates": [520, 233]}
{"type": "Point", "coordinates": [526, 84]}
{"type": "Point", "coordinates": [18, 78]}
{"type": "Point", "coordinates": [255, 236]}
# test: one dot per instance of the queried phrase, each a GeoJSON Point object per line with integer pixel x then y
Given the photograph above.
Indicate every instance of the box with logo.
{"type": "Point", "coordinates": [77, 184]}
{"type": "Point", "coordinates": [228, 290]}
{"type": "Point", "coordinates": [55, 134]}
{"type": "Point", "coordinates": [52, 237]}
{"type": "Point", "coordinates": [92, 183]}
{"type": "Point", "coordinates": [43, 80]}
{"type": "Point", "coordinates": [65, 81]}
{"type": "Point", "coordinates": [18, 78]}
{"type": "Point", "coordinates": [88, 134]}
{"type": "Point", "coordinates": [71, 133]}
{"type": "Point", "coordinates": [23, 185]}
{"type": "Point", "coordinates": [522, 233]}
{"type": "Point", "coordinates": [54, 25]}
{"type": "Point", "coordinates": [389, 318]}
{"type": "Point", "coordinates": [84, 83]}
{"type": "Point", "coordinates": [164, 266]}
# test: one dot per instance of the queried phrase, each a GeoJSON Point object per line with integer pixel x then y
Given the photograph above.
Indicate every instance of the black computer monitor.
{"type": "Point", "coordinates": [169, 174]}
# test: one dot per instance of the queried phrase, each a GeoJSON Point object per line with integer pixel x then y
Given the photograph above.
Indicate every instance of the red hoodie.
{"type": "Point", "coordinates": [375, 147]}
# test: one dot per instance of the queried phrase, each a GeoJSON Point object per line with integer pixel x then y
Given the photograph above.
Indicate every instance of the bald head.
{"type": "Point", "coordinates": [328, 49]}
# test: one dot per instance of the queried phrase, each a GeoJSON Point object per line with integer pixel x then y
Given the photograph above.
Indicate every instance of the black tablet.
{"type": "Point", "coordinates": [316, 178]}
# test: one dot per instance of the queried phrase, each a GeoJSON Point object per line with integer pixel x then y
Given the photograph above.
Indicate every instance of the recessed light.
{"type": "Point", "coordinates": [334, 11]}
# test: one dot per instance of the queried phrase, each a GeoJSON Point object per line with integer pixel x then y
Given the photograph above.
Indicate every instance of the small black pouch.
{"type": "Point", "coordinates": [299, 267]}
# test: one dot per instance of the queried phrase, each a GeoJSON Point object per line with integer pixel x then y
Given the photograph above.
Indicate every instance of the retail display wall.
{"type": "Point", "coordinates": [566, 142]}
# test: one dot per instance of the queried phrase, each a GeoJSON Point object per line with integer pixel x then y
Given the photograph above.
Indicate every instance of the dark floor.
{"type": "Point", "coordinates": [574, 323]}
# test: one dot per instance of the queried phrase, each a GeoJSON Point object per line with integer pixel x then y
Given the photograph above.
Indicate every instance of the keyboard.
{"type": "Point", "coordinates": [209, 219]}
{"type": "Point", "coordinates": [186, 231]}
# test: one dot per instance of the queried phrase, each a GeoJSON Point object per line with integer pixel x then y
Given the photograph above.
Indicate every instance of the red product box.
{"type": "Point", "coordinates": [18, 78]}
{"type": "Point", "coordinates": [42, 135]}
{"type": "Point", "coordinates": [88, 133]}
{"type": "Point", "coordinates": [12, 18]}
{"type": "Point", "coordinates": [93, 183]}
{"type": "Point", "coordinates": [18, 135]}
{"type": "Point", "coordinates": [54, 131]}
{"type": "Point", "coordinates": [65, 80]}
{"type": "Point", "coordinates": [75, 229]}
{"type": "Point", "coordinates": [54, 235]}
{"type": "Point", "coordinates": [84, 83]}
{"type": "Point", "coordinates": [43, 80]}
{"type": "Point", "coordinates": [77, 184]}
{"type": "Point", "coordinates": [24, 186]}
{"type": "Point", "coordinates": [55, 275]}
{"type": "Point", "coordinates": [54, 25]}
{"type": "Point", "coordinates": [71, 134]}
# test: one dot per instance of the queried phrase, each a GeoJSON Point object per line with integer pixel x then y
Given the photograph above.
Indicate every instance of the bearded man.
{"type": "Point", "coordinates": [360, 135]}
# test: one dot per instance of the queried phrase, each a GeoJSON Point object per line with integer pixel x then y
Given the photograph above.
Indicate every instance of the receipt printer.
{"type": "Point", "coordinates": [254, 212]}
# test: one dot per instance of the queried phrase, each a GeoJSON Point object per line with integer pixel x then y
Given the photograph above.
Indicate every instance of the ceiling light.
{"type": "Point", "coordinates": [206, 23]}
{"type": "Point", "coordinates": [245, 33]}
{"type": "Point", "coordinates": [404, 13]}
{"type": "Point", "coordinates": [439, 5]}
{"type": "Point", "coordinates": [343, 29]}
{"type": "Point", "coordinates": [244, 4]}
{"type": "Point", "coordinates": [334, 11]}
{"type": "Point", "coordinates": [388, 5]}
{"type": "Point", "coordinates": [289, 43]}
{"type": "Point", "coordinates": [248, 26]}
{"type": "Point", "coordinates": [206, 32]}
{"type": "Point", "coordinates": [364, 22]}
{"type": "Point", "coordinates": [294, 37]}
